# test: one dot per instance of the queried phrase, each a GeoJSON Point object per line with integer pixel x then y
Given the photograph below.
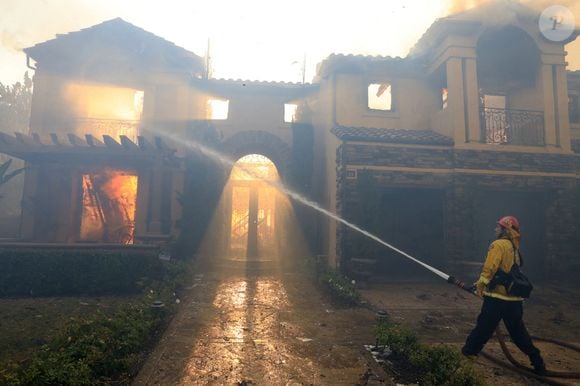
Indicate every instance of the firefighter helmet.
{"type": "Point", "coordinates": [509, 222]}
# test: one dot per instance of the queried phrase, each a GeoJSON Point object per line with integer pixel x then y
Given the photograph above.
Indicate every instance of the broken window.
{"type": "Point", "coordinates": [574, 108]}
{"type": "Point", "coordinates": [379, 96]}
{"type": "Point", "coordinates": [108, 207]}
{"type": "Point", "coordinates": [290, 112]}
{"type": "Point", "coordinates": [444, 96]}
{"type": "Point", "coordinates": [217, 109]}
{"type": "Point", "coordinates": [104, 109]}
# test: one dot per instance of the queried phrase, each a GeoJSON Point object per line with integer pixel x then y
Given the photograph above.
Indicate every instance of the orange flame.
{"type": "Point", "coordinates": [109, 201]}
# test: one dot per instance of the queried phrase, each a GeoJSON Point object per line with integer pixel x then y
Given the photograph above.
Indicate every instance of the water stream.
{"type": "Point", "coordinates": [217, 156]}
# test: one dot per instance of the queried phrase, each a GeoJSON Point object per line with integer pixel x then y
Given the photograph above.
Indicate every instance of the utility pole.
{"type": "Point", "coordinates": [207, 74]}
{"type": "Point", "coordinates": [304, 69]}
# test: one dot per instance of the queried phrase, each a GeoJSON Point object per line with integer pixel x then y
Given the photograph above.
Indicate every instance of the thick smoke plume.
{"type": "Point", "coordinates": [573, 49]}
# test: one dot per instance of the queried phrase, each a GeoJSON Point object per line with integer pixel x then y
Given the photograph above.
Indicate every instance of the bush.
{"type": "Point", "coordinates": [95, 350]}
{"type": "Point", "coordinates": [339, 286]}
{"type": "Point", "coordinates": [429, 365]}
{"type": "Point", "coordinates": [102, 349]}
{"type": "Point", "coordinates": [53, 272]}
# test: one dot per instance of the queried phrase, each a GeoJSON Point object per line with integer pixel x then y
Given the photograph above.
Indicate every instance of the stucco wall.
{"type": "Point", "coordinates": [413, 102]}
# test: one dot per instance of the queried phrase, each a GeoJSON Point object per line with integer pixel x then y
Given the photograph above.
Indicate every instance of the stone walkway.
{"type": "Point", "coordinates": [256, 323]}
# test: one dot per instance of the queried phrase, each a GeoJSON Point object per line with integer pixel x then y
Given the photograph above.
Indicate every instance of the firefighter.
{"type": "Point", "coordinates": [497, 303]}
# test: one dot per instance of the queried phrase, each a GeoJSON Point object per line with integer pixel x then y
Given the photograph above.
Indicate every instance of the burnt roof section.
{"type": "Point", "coordinates": [103, 41]}
{"type": "Point", "coordinates": [339, 63]}
{"type": "Point", "coordinates": [400, 136]}
{"type": "Point", "coordinates": [53, 146]}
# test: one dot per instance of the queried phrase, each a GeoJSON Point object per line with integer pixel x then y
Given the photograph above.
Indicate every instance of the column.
{"type": "Point", "coordinates": [142, 204]}
{"type": "Point", "coordinates": [472, 98]}
{"type": "Point", "coordinates": [177, 188]}
{"type": "Point", "coordinates": [549, 112]}
{"type": "Point", "coordinates": [561, 88]}
{"type": "Point", "coordinates": [156, 200]}
{"type": "Point", "coordinates": [28, 203]}
{"type": "Point", "coordinates": [456, 103]}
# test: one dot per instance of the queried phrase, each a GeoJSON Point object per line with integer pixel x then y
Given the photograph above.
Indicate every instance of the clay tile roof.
{"type": "Point", "coordinates": [256, 82]}
{"type": "Point", "coordinates": [116, 32]}
{"type": "Point", "coordinates": [411, 137]}
{"type": "Point", "coordinates": [361, 63]}
{"type": "Point", "coordinates": [226, 87]}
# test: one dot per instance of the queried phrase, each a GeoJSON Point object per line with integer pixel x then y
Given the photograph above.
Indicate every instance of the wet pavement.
{"type": "Point", "coordinates": [258, 323]}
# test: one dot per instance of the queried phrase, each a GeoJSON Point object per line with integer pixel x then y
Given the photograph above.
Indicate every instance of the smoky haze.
{"type": "Point", "coordinates": [573, 49]}
{"type": "Point", "coordinates": [25, 23]}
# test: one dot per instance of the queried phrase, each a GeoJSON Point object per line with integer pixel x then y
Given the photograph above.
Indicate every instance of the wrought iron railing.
{"type": "Point", "coordinates": [512, 127]}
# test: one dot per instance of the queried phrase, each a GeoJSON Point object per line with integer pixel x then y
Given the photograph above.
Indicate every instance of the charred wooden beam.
{"type": "Point", "coordinates": [128, 144]}
{"type": "Point", "coordinates": [55, 140]}
{"type": "Point", "coordinates": [25, 139]}
{"type": "Point", "coordinates": [93, 141]}
{"type": "Point", "coordinates": [144, 143]}
{"type": "Point", "coordinates": [110, 142]}
{"type": "Point", "coordinates": [8, 139]}
{"type": "Point", "coordinates": [40, 140]}
{"type": "Point", "coordinates": [76, 141]}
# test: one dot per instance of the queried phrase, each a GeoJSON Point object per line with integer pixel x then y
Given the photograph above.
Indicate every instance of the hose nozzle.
{"type": "Point", "coordinates": [460, 284]}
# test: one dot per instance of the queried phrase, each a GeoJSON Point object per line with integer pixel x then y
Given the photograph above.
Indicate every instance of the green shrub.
{"type": "Point", "coordinates": [340, 287]}
{"type": "Point", "coordinates": [400, 340]}
{"type": "Point", "coordinates": [96, 349]}
{"type": "Point", "coordinates": [432, 365]}
{"type": "Point", "coordinates": [101, 348]}
{"type": "Point", "coordinates": [53, 272]}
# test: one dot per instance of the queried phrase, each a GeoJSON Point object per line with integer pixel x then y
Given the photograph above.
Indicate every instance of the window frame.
{"type": "Point", "coordinates": [284, 112]}
{"type": "Point", "coordinates": [369, 83]}
{"type": "Point", "coordinates": [223, 100]}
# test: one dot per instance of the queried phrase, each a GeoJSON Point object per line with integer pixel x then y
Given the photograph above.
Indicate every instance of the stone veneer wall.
{"type": "Point", "coordinates": [562, 210]}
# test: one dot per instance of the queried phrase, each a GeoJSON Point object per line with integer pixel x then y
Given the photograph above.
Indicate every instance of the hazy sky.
{"type": "Point", "coordinates": [250, 39]}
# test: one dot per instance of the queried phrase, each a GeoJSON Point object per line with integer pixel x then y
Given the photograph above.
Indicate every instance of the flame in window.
{"type": "Point", "coordinates": [108, 213]}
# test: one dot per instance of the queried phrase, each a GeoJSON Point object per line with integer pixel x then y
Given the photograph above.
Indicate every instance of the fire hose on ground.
{"type": "Point", "coordinates": [515, 365]}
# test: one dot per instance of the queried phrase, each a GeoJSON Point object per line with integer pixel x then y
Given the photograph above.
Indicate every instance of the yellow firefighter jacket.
{"type": "Point", "coordinates": [501, 255]}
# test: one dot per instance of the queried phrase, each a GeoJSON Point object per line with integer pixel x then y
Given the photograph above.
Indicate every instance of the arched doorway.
{"type": "Point", "coordinates": [254, 220]}
{"type": "Point", "coordinates": [251, 209]}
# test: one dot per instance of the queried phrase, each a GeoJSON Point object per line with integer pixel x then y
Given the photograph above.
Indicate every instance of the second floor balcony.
{"type": "Point", "coordinates": [512, 127]}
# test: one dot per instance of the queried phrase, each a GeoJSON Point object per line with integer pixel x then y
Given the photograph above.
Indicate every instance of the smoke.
{"type": "Point", "coordinates": [491, 15]}
{"type": "Point", "coordinates": [11, 41]}
{"type": "Point", "coordinates": [25, 23]}
{"type": "Point", "coordinates": [457, 6]}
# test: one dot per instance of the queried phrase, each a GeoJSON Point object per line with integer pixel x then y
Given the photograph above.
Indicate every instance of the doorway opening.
{"type": "Point", "coordinates": [253, 209]}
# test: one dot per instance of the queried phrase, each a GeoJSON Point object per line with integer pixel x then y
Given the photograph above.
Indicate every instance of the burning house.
{"type": "Point", "coordinates": [426, 151]}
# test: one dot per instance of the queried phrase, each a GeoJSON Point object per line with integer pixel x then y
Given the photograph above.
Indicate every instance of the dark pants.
{"type": "Point", "coordinates": [492, 311]}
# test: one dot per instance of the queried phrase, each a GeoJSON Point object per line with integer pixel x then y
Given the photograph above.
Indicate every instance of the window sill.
{"type": "Point", "coordinates": [382, 114]}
